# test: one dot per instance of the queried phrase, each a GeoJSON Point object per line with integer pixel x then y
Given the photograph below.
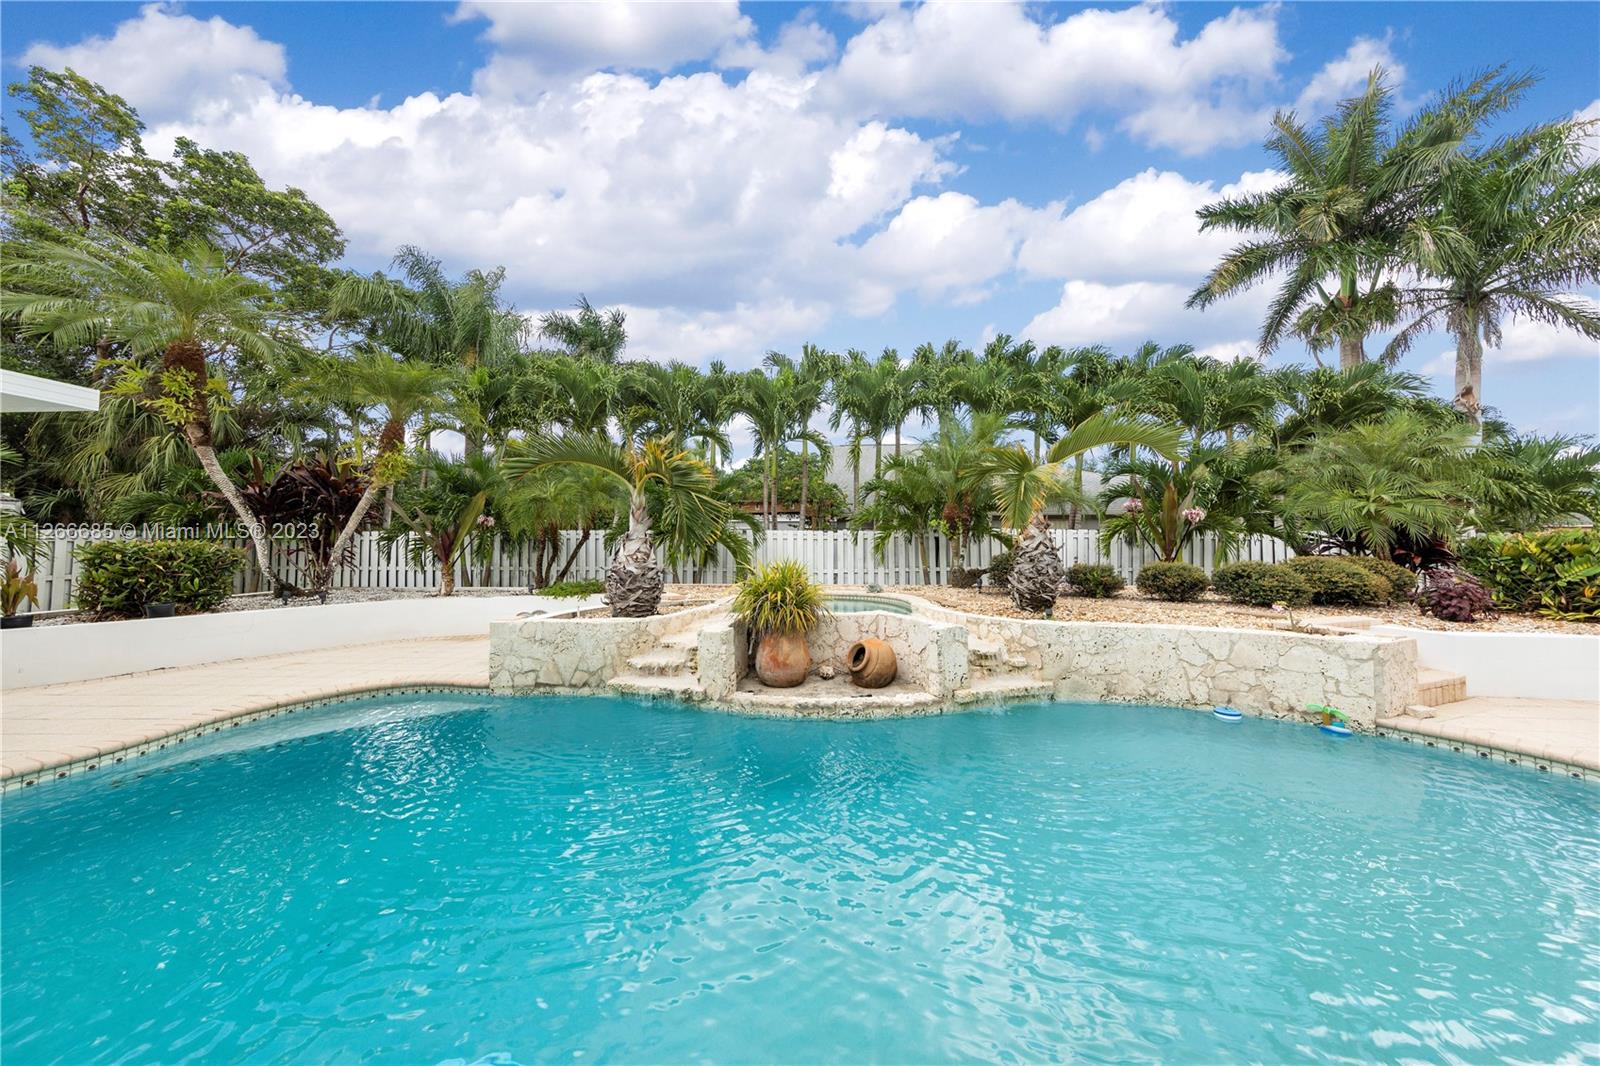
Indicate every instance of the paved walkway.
{"type": "Point", "coordinates": [1561, 730]}
{"type": "Point", "coordinates": [51, 726]}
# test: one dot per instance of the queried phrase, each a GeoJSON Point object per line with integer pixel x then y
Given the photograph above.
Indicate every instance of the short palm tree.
{"type": "Point", "coordinates": [1023, 486]}
{"type": "Point", "coordinates": [904, 500]}
{"type": "Point", "coordinates": [402, 391]}
{"type": "Point", "coordinates": [1510, 232]}
{"type": "Point", "coordinates": [183, 307]}
{"type": "Point", "coordinates": [587, 332]}
{"type": "Point", "coordinates": [693, 517]}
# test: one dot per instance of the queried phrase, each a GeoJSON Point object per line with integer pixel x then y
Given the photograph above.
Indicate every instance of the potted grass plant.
{"type": "Point", "coordinates": [779, 604]}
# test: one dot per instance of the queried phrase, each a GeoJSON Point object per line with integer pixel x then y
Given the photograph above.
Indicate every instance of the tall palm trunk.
{"type": "Point", "coordinates": [805, 479]}
{"type": "Point", "coordinates": [1469, 369]}
{"type": "Point", "coordinates": [855, 471]}
{"type": "Point", "coordinates": [1077, 483]}
{"type": "Point", "coordinates": [1352, 351]}
{"type": "Point", "coordinates": [189, 359]}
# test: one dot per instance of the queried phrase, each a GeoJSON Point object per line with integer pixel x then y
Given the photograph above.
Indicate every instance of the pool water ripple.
{"type": "Point", "coordinates": [465, 878]}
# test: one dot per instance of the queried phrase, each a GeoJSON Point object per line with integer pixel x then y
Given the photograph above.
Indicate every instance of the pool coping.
{"type": "Point", "coordinates": [1532, 762]}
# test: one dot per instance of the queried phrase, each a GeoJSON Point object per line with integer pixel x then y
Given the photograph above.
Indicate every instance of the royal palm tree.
{"type": "Point", "coordinates": [810, 377]}
{"type": "Point", "coordinates": [183, 307]}
{"type": "Point", "coordinates": [1333, 226]}
{"type": "Point", "coordinates": [693, 518]}
{"type": "Point", "coordinates": [1023, 486]}
{"type": "Point", "coordinates": [1509, 232]}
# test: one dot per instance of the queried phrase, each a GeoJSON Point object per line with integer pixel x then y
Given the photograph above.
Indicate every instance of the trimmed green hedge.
{"type": "Point", "coordinates": [1556, 573]}
{"type": "Point", "coordinates": [1262, 584]}
{"type": "Point", "coordinates": [1095, 580]}
{"type": "Point", "coordinates": [119, 577]}
{"type": "Point", "coordinates": [1337, 582]}
{"type": "Point", "coordinates": [1402, 582]}
{"type": "Point", "coordinates": [1178, 582]}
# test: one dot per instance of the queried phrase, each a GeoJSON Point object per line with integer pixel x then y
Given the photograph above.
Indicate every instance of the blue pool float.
{"type": "Point", "coordinates": [1226, 714]}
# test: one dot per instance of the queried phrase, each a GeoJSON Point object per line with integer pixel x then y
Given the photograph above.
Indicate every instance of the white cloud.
{"type": "Point", "coordinates": [801, 44]}
{"type": "Point", "coordinates": [986, 60]}
{"type": "Point", "coordinates": [739, 336]}
{"type": "Point", "coordinates": [539, 41]}
{"type": "Point", "coordinates": [1344, 77]}
{"type": "Point", "coordinates": [1142, 227]}
{"type": "Point", "coordinates": [166, 62]}
{"type": "Point", "coordinates": [945, 245]}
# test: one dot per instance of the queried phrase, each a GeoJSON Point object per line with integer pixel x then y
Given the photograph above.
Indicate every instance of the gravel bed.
{"type": "Point", "coordinates": [1212, 610]}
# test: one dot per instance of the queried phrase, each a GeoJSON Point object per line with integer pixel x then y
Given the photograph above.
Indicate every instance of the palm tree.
{"type": "Point", "coordinates": [427, 316]}
{"type": "Point", "coordinates": [589, 333]}
{"type": "Point", "coordinates": [439, 517]}
{"type": "Point", "coordinates": [905, 499]}
{"type": "Point", "coordinates": [1402, 482]}
{"type": "Point", "coordinates": [693, 517]}
{"type": "Point", "coordinates": [184, 306]}
{"type": "Point", "coordinates": [1508, 233]}
{"type": "Point", "coordinates": [1334, 225]}
{"type": "Point", "coordinates": [959, 468]}
{"type": "Point", "coordinates": [676, 401]}
{"type": "Point", "coordinates": [1023, 485]}
{"type": "Point", "coordinates": [402, 391]}
{"type": "Point", "coordinates": [578, 395]}
{"type": "Point", "coordinates": [810, 378]}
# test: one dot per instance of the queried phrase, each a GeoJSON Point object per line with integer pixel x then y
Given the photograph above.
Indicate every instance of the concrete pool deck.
{"type": "Point", "coordinates": [53, 730]}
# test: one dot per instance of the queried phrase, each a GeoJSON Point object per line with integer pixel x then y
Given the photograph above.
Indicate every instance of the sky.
{"type": "Point", "coordinates": [746, 178]}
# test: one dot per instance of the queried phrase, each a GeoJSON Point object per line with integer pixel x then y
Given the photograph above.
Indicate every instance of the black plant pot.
{"type": "Point", "coordinates": [16, 621]}
{"type": "Point", "coordinates": [158, 610]}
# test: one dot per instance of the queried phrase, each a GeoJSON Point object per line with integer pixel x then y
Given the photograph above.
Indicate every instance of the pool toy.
{"type": "Point", "coordinates": [1226, 714]}
{"type": "Point", "coordinates": [1333, 720]}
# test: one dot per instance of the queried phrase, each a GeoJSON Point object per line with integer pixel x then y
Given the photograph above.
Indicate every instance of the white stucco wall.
{"type": "Point", "coordinates": [1551, 666]}
{"type": "Point", "coordinates": [47, 655]}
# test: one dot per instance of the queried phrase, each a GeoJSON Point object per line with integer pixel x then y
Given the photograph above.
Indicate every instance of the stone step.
{"type": "Point", "coordinates": [679, 686]}
{"type": "Point", "coordinates": [1002, 687]}
{"type": "Point", "coordinates": [1435, 688]}
{"type": "Point", "coordinates": [688, 638]}
{"type": "Point", "coordinates": [982, 652]}
{"type": "Point", "coordinates": [662, 661]}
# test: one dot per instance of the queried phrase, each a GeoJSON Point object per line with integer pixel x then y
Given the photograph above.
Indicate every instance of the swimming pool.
{"type": "Point", "coordinates": [857, 604]}
{"type": "Point", "coordinates": [439, 878]}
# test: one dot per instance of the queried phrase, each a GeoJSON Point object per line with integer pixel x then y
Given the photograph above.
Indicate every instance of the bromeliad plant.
{"type": "Point", "coordinates": [17, 587]}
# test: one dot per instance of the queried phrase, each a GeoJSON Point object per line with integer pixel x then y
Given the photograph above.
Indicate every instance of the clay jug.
{"type": "Point", "coordinates": [782, 659]}
{"type": "Point", "coordinates": [872, 663]}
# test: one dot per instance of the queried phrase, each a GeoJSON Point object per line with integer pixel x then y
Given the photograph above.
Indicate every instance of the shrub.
{"type": "Point", "coordinates": [1180, 582]}
{"type": "Point", "coordinates": [1262, 584]}
{"type": "Point", "coordinates": [1556, 573]}
{"type": "Point", "coordinates": [1336, 582]}
{"type": "Point", "coordinates": [1453, 595]}
{"type": "Point", "coordinates": [779, 597]}
{"type": "Point", "coordinates": [119, 577]}
{"type": "Point", "coordinates": [1402, 582]}
{"type": "Point", "coordinates": [1094, 580]}
{"type": "Point", "coordinates": [564, 589]}
{"type": "Point", "coordinates": [1000, 569]}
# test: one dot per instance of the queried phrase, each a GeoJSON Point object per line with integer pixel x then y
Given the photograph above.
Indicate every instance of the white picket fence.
{"type": "Point", "coordinates": [833, 557]}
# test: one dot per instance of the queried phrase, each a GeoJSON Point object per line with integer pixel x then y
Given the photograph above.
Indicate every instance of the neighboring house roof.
{"type": "Point", "coordinates": [24, 393]}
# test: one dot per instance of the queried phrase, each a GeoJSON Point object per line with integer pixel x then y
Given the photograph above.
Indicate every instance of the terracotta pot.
{"type": "Point", "coordinates": [782, 659]}
{"type": "Point", "coordinates": [872, 663]}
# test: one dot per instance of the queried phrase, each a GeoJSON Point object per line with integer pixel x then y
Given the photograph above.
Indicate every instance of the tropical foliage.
{"type": "Point", "coordinates": [248, 379]}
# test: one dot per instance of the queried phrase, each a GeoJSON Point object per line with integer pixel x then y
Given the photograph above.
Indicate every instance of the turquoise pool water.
{"type": "Point", "coordinates": [857, 604]}
{"type": "Point", "coordinates": [463, 878]}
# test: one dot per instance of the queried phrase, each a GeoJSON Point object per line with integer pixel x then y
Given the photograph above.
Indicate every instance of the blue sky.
{"type": "Point", "coordinates": [855, 175]}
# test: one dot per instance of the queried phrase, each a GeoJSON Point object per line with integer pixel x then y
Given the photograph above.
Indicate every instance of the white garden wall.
{"type": "Point", "coordinates": [46, 655]}
{"type": "Point", "coordinates": [1551, 666]}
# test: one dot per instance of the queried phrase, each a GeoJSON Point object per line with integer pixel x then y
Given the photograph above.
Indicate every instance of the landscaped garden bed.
{"type": "Point", "coordinates": [1212, 610]}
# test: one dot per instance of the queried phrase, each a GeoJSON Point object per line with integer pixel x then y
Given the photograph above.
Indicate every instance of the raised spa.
{"type": "Point", "coordinates": [471, 879]}
{"type": "Point", "coordinates": [858, 604]}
